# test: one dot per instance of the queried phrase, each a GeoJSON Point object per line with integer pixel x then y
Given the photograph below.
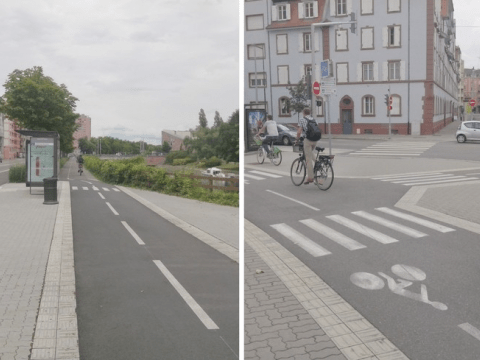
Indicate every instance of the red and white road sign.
{"type": "Point", "coordinates": [316, 88]}
{"type": "Point", "coordinates": [472, 102]}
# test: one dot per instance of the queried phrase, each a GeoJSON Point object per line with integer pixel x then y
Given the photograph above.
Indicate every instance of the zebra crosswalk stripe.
{"type": "Point", "coordinates": [299, 239]}
{"type": "Point", "coordinates": [265, 174]}
{"type": "Point", "coordinates": [85, 187]}
{"type": "Point", "coordinates": [364, 230]}
{"type": "Point", "coordinates": [333, 235]}
{"type": "Point", "coordinates": [423, 222]}
{"type": "Point", "coordinates": [390, 224]}
{"type": "Point", "coordinates": [74, 188]}
{"type": "Point", "coordinates": [441, 181]}
{"type": "Point", "coordinates": [253, 177]}
{"type": "Point", "coordinates": [106, 189]}
{"type": "Point", "coordinates": [95, 188]}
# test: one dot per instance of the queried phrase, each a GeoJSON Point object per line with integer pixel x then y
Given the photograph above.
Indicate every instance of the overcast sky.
{"type": "Point", "coordinates": [467, 15]}
{"type": "Point", "coordinates": [137, 67]}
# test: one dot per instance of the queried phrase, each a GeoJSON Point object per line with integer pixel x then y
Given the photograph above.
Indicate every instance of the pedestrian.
{"type": "Point", "coordinates": [270, 127]}
{"type": "Point", "coordinates": [309, 141]}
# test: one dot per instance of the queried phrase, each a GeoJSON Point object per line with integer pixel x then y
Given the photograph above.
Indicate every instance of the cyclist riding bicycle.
{"type": "Point", "coordinates": [272, 133]}
{"type": "Point", "coordinates": [309, 142]}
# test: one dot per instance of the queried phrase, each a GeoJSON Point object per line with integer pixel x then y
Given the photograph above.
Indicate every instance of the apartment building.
{"type": "Point", "coordinates": [472, 88]}
{"type": "Point", "coordinates": [84, 130]}
{"type": "Point", "coordinates": [403, 48]}
{"type": "Point", "coordinates": [13, 143]}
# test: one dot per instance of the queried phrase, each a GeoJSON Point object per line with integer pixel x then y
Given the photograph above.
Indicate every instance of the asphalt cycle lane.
{"type": "Point", "coordinates": [403, 315]}
{"type": "Point", "coordinates": [127, 307]}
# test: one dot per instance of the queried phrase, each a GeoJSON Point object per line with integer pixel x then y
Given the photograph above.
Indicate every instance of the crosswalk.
{"type": "Point", "coordinates": [94, 188]}
{"type": "Point", "coordinates": [355, 231]}
{"type": "Point", "coordinates": [396, 149]}
{"type": "Point", "coordinates": [424, 179]}
{"type": "Point", "coordinates": [258, 175]}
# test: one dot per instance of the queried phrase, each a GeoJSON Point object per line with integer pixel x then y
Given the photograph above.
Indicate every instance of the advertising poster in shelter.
{"type": "Point", "coordinates": [41, 153]}
{"type": "Point", "coordinates": [255, 120]}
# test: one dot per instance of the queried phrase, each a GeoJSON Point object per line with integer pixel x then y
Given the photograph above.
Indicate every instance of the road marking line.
{"type": "Point", "coordinates": [4, 171]}
{"type": "Point", "coordinates": [294, 200]}
{"type": "Point", "coordinates": [253, 177]}
{"type": "Point", "coordinates": [416, 220]}
{"type": "Point", "coordinates": [74, 188]}
{"type": "Point", "coordinates": [84, 187]}
{"type": "Point", "coordinates": [103, 197]}
{"type": "Point", "coordinates": [301, 240]}
{"type": "Point", "coordinates": [440, 182]}
{"type": "Point", "coordinates": [333, 235]}
{"type": "Point", "coordinates": [417, 177]}
{"type": "Point", "coordinates": [106, 189]}
{"type": "Point", "coordinates": [390, 224]}
{"type": "Point", "coordinates": [398, 176]}
{"type": "Point", "coordinates": [427, 178]}
{"type": "Point", "coordinates": [95, 188]}
{"type": "Point", "coordinates": [471, 330]}
{"type": "Point", "coordinates": [111, 208]}
{"type": "Point", "coordinates": [376, 154]}
{"type": "Point", "coordinates": [265, 174]}
{"type": "Point", "coordinates": [115, 189]}
{"type": "Point", "coordinates": [133, 233]}
{"type": "Point", "coordinates": [202, 315]}
{"type": "Point", "coordinates": [371, 233]}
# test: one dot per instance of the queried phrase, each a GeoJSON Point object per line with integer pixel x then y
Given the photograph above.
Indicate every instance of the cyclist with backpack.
{"type": "Point", "coordinates": [309, 126]}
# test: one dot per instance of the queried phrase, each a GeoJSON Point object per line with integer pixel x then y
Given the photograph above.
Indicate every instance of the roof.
{"type": "Point", "coordinates": [178, 134]}
{"type": "Point", "coordinates": [38, 133]}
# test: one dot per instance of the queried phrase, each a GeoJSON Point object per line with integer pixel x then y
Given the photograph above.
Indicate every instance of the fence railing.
{"type": "Point", "coordinates": [218, 183]}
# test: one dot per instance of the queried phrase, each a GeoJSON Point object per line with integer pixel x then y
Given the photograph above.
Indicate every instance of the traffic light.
{"type": "Point", "coordinates": [387, 100]}
{"type": "Point", "coordinates": [390, 103]}
{"type": "Point", "coordinates": [319, 102]}
{"type": "Point", "coordinates": [353, 26]}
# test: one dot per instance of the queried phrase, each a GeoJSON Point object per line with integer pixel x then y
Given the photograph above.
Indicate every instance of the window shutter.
{"type": "Point", "coordinates": [349, 7]}
{"type": "Point", "coordinates": [288, 12]}
{"type": "Point", "coordinates": [274, 13]}
{"type": "Point", "coordinates": [375, 71]}
{"type": "Point", "coordinates": [402, 70]}
{"type": "Point", "coordinates": [385, 71]}
{"type": "Point", "coordinates": [359, 72]}
{"type": "Point", "coordinates": [385, 36]}
{"type": "Point", "coordinates": [301, 10]}
{"type": "Point", "coordinates": [315, 8]}
{"type": "Point", "coordinates": [397, 35]}
{"type": "Point", "coordinates": [332, 8]}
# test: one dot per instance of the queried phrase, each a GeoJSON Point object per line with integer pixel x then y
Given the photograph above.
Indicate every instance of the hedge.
{"type": "Point", "coordinates": [17, 174]}
{"type": "Point", "coordinates": [135, 173]}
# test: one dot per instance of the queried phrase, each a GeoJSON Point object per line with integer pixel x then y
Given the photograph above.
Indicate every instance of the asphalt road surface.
{"type": "Point", "coordinates": [146, 289]}
{"type": "Point", "coordinates": [416, 282]}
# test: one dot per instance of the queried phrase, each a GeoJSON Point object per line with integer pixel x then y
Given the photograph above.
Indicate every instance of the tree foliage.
{"type": "Point", "coordinates": [217, 120]}
{"type": "Point", "coordinates": [202, 119]}
{"type": "Point", "coordinates": [298, 100]}
{"type": "Point", "coordinates": [35, 102]}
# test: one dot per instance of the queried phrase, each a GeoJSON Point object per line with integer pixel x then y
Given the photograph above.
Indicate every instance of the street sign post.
{"type": "Point", "coordinates": [325, 68]}
{"type": "Point", "coordinates": [328, 86]}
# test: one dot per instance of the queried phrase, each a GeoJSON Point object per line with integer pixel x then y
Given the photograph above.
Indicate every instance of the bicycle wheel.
{"type": "Point", "coordinates": [298, 172]}
{"type": "Point", "coordinates": [276, 159]}
{"type": "Point", "coordinates": [323, 176]}
{"type": "Point", "coordinates": [260, 155]}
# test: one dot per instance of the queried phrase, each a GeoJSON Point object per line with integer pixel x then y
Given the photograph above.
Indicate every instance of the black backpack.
{"type": "Point", "coordinates": [313, 132]}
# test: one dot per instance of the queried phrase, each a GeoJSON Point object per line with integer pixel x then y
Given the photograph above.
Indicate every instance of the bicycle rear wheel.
{"type": "Point", "coordinates": [298, 172]}
{"type": "Point", "coordinates": [276, 159]}
{"type": "Point", "coordinates": [260, 155]}
{"type": "Point", "coordinates": [323, 176]}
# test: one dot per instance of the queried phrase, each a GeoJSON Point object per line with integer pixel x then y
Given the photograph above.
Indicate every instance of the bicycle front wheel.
{"type": "Point", "coordinates": [260, 155]}
{"type": "Point", "coordinates": [298, 172]}
{"type": "Point", "coordinates": [323, 176]}
{"type": "Point", "coordinates": [276, 159]}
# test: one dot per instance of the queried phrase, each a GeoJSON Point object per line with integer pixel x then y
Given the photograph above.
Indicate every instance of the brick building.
{"type": "Point", "coordinates": [13, 144]}
{"type": "Point", "coordinates": [175, 138]}
{"type": "Point", "coordinates": [84, 130]}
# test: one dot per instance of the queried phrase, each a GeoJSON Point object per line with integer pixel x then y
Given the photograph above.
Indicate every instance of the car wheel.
{"type": "Point", "coordinates": [461, 138]}
{"type": "Point", "coordinates": [286, 140]}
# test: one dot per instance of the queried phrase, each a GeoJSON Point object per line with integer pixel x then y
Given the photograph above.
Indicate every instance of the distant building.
{"type": "Point", "coordinates": [84, 130]}
{"type": "Point", "coordinates": [175, 138]}
{"type": "Point", "coordinates": [12, 145]}
{"type": "Point", "coordinates": [471, 89]}
{"type": "Point", "coordinates": [2, 136]}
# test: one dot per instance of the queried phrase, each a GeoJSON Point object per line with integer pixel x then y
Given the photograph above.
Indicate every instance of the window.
{"type": "Point", "coordinates": [309, 10]}
{"type": "Point", "coordinates": [254, 22]}
{"type": "Point", "coordinates": [367, 7]}
{"type": "Point", "coordinates": [283, 104]}
{"type": "Point", "coordinates": [283, 74]}
{"type": "Point", "coordinates": [258, 79]}
{"type": "Point", "coordinates": [307, 70]}
{"type": "Point", "coordinates": [307, 42]}
{"type": "Point", "coordinates": [341, 6]}
{"type": "Point", "coordinates": [256, 51]}
{"type": "Point", "coordinates": [367, 71]}
{"type": "Point", "coordinates": [368, 105]}
{"type": "Point", "coordinates": [396, 106]}
{"type": "Point", "coordinates": [394, 70]}
{"type": "Point", "coordinates": [393, 6]}
{"type": "Point", "coordinates": [282, 44]}
{"type": "Point", "coordinates": [341, 40]}
{"type": "Point", "coordinates": [391, 36]}
{"type": "Point", "coordinates": [342, 72]}
{"type": "Point", "coordinates": [282, 12]}
{"type": "Point", "coordinates": [367, 38]}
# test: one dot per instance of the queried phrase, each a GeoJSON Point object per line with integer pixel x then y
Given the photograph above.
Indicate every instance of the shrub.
{"type": "Point", "coordinates": [175, 155]}
{"type": "Point", "coordinates": [17, 174]}
{"type": "Point", "coordinates": [213, 161]}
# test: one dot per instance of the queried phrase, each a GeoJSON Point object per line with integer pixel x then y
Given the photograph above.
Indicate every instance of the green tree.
{"type": "Point", "coordinates": [166, 147]}
{"type": "Point", "coordinates": [202, 119]}
{"type": "Point", "coordinates": [86, 146]}
{"type": "Point", "coordinates": [228, 145]}
{"type": "Point", "coordinates": [35, 102]}
{"type": "Point", "coordinates": [217, 121]}
{"type": "Point", "coordinates": [298, 100]}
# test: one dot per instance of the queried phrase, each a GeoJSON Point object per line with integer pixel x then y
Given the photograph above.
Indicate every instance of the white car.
{"type": "Point", "coordinates": [468, 130]}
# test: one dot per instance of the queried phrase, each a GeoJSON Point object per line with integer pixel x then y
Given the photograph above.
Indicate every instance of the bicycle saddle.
{"type": "Point", "coordinates": [318, 148]}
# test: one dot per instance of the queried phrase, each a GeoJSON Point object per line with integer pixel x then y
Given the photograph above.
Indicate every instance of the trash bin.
{"type": "Point", "coordinates": [50, 191]}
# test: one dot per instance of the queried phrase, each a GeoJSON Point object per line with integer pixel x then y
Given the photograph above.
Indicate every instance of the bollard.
{"type": "Point", "coordinates": [50, 191]}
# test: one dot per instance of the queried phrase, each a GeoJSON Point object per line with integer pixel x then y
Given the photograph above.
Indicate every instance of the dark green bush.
{"type": "Point", "coordinates": [213, 161]}
{"type": "Point", "coordinates": [175, 155]}
{"type": "Point", "coordinates": [17, 174]}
